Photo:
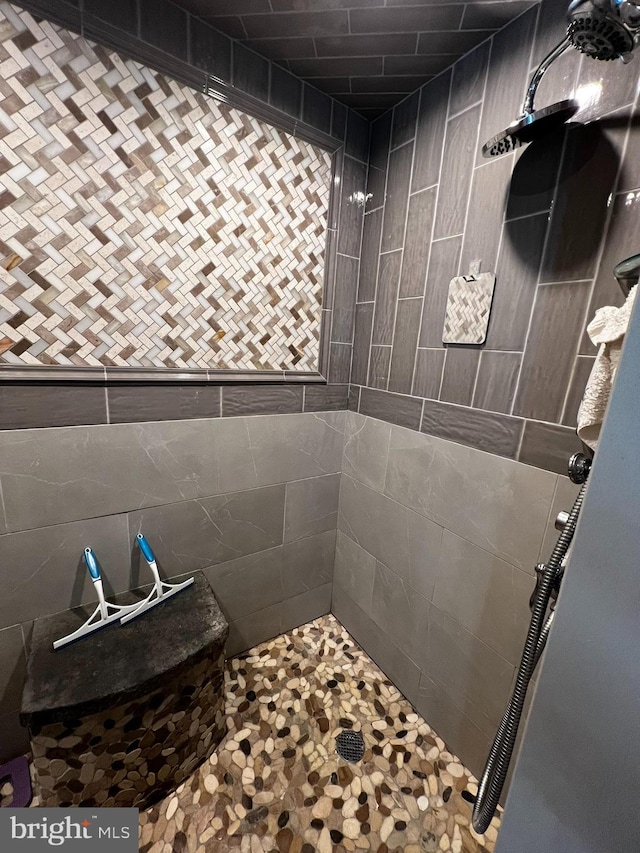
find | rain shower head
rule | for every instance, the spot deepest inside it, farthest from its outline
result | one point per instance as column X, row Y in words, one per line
column 601, row 29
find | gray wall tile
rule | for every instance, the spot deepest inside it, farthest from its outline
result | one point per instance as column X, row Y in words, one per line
column 285, row 92
column 250, row 72
column 428, row 372
column 354, row 571
column 316, row 108
column 37, row 405
column 406, row 19
column 15, row 739
column 496, row 381
column 311, row 506
column 405, row 342
column 362, row 342
column 395, row 408
column 210, row 50
column 380, row 141
column 459, row 375
column 13, row 668
column 397, row 197
column 131, row 404
column 344, row 302
column 432, row 119
column 260, row 399
column 195, row 534
column 548, row 446
column 443, row 266
column 487, row 203
column 386, row 297
column 165, row 26
column 370, row 256
column 483, row 430
column 42, row 571
column 366, row 446
column 325, row 398
column 563, row 499
column 401, row 613
column 404, row 120
column 417, row 243
column 354, row 180
column 357, row 138
column 495, row 503
column 339, row 363
column 469, row 77
column 457, row 167
column 379, row 365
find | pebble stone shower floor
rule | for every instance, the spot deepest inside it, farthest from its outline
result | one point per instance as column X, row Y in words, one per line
column 277, row 784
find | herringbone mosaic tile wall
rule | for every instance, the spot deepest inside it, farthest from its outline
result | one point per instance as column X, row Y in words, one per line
column 142, row 224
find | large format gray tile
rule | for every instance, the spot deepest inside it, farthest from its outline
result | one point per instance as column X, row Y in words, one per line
column 461, row 735
column 476, row 678
column 131, row 404
column 42, row 571
column 386, row 297
column 13, row 667
column 459, row 375
column 404, row 541
column 488, row 431
column 428, row 373
column 194, row 534
column 496, row 381
column 395, row 210
column 57, row 475
column 556, row 327
column 260, row 451
column 498, row 504
column 394, row 408
column 457, row 167
column 250, row 72
column 210, row 50
column 443, row 266
column 366, row 446
column 57, row 404
column 165, row 26
column 354, row 571
column 15, row 738
column 252, row 583
column 391, row 658
column 362, row 343
column 405, row 342
column 417, row 243
column 406, row 19
column 311, row 506
column 486, row 595
column 260, row 400
column 401, row 613
column 432, row 118
column 370, row 255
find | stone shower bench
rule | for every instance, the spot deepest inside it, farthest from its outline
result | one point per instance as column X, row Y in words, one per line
column 125, row 715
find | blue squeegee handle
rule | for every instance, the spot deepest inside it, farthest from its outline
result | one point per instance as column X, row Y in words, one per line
column 145, row 548
column 92, row 564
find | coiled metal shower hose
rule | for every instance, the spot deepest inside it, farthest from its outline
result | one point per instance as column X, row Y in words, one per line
column 497, row 766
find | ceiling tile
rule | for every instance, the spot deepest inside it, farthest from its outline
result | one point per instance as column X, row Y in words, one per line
column 415, row 65
column 293, row 48
column 336, row 85
column 493, row 16
column 451, row 42
column 320, row 5
column 370, row 45
column 386, row 84
column 406, row 19
column 336, row 67
column 296, row 24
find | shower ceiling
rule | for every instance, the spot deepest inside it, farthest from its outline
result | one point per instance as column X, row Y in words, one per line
column 366, row 53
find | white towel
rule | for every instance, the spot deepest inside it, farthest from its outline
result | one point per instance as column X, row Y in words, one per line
column 606, row 330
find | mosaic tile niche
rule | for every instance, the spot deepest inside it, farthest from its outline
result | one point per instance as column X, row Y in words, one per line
column 145, row 225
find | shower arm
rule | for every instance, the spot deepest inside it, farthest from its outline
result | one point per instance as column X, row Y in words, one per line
column 556, row 53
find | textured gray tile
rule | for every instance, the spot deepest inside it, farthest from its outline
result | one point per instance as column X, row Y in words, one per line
column 405, row 342
column 405, row 115
column 339, row 363
column 386, row 297
column 250, row 72
column 459, row 375
column 404, row 541
column 354, row 180
column 338, row 120
column 408, row 19
column 15, row 738
column 325, row 398
column 357, row 138
column 400, row 83
column 210, row 50
column 344, row 300
column 517, row 276
column 366, row 45
column 496, row 382
column 556, row 328
column 165, row 26
column 498, row 504
column 194, row 534
column 380, row 141
column 387, row 655
column 260, row 400
column 370, row 256
column 428, row 373
column 13, row 668
column 122, row 13
column 397, row 197
column 469, row 76
column 443, row 266
column 254, row 582
column 58, row 475
column 432, row 119
column 264, row 450
column 316, row 108
column 131, row 404
column 42, row 571
column 394, row 408
column 401, row 613
column 296, row 24
column 548, row 446
column 581, row 372
column 58, row 404
column 285, row 92
column 417, row 243
column 379, row 365
column 354, row 571
column 457, row 166
column 311, row 506
column 486, row 595
column 461, row 735
column 354, row 398
column 362, row 342
column 476, row 678
column 376, row 181
column 366, row 446
column 494, row 433
column 489, row 193
column 563, row 499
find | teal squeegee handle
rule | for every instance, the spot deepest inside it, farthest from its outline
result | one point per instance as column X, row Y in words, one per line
column 92, row 564
column 147, row 553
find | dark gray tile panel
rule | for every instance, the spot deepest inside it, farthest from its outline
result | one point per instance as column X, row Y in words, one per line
column 362, row 343
column 497, row 379
column 489, row 193
column 386, row 297
column 404, row 120
column 379, row 367
column 459, row 376
column 417, row 242
column 370, row 255
column 210, row 50
column 354, row 181
column 339, row 363
column 460, row 143
column 325, row 398
column 443, row 266
column 132, row 404
column 397, row 197
column 285, row 91
column 410, row 19
column 494, row 433
column 316, row 108
column 122, row 13
column 344, row 301
column 428, row 373
column 394, row 408
column 165, row 26
column 311, row 506
column 549, row 446
column 250, row 72
column 59, row 404
column 260, row 400
column 13, row 667
column 469, row 77
column 405, row 342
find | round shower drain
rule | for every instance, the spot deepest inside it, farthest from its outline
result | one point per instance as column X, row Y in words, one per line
column 350, row 745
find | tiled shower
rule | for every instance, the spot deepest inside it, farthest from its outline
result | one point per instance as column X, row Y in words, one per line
column 376, row 521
